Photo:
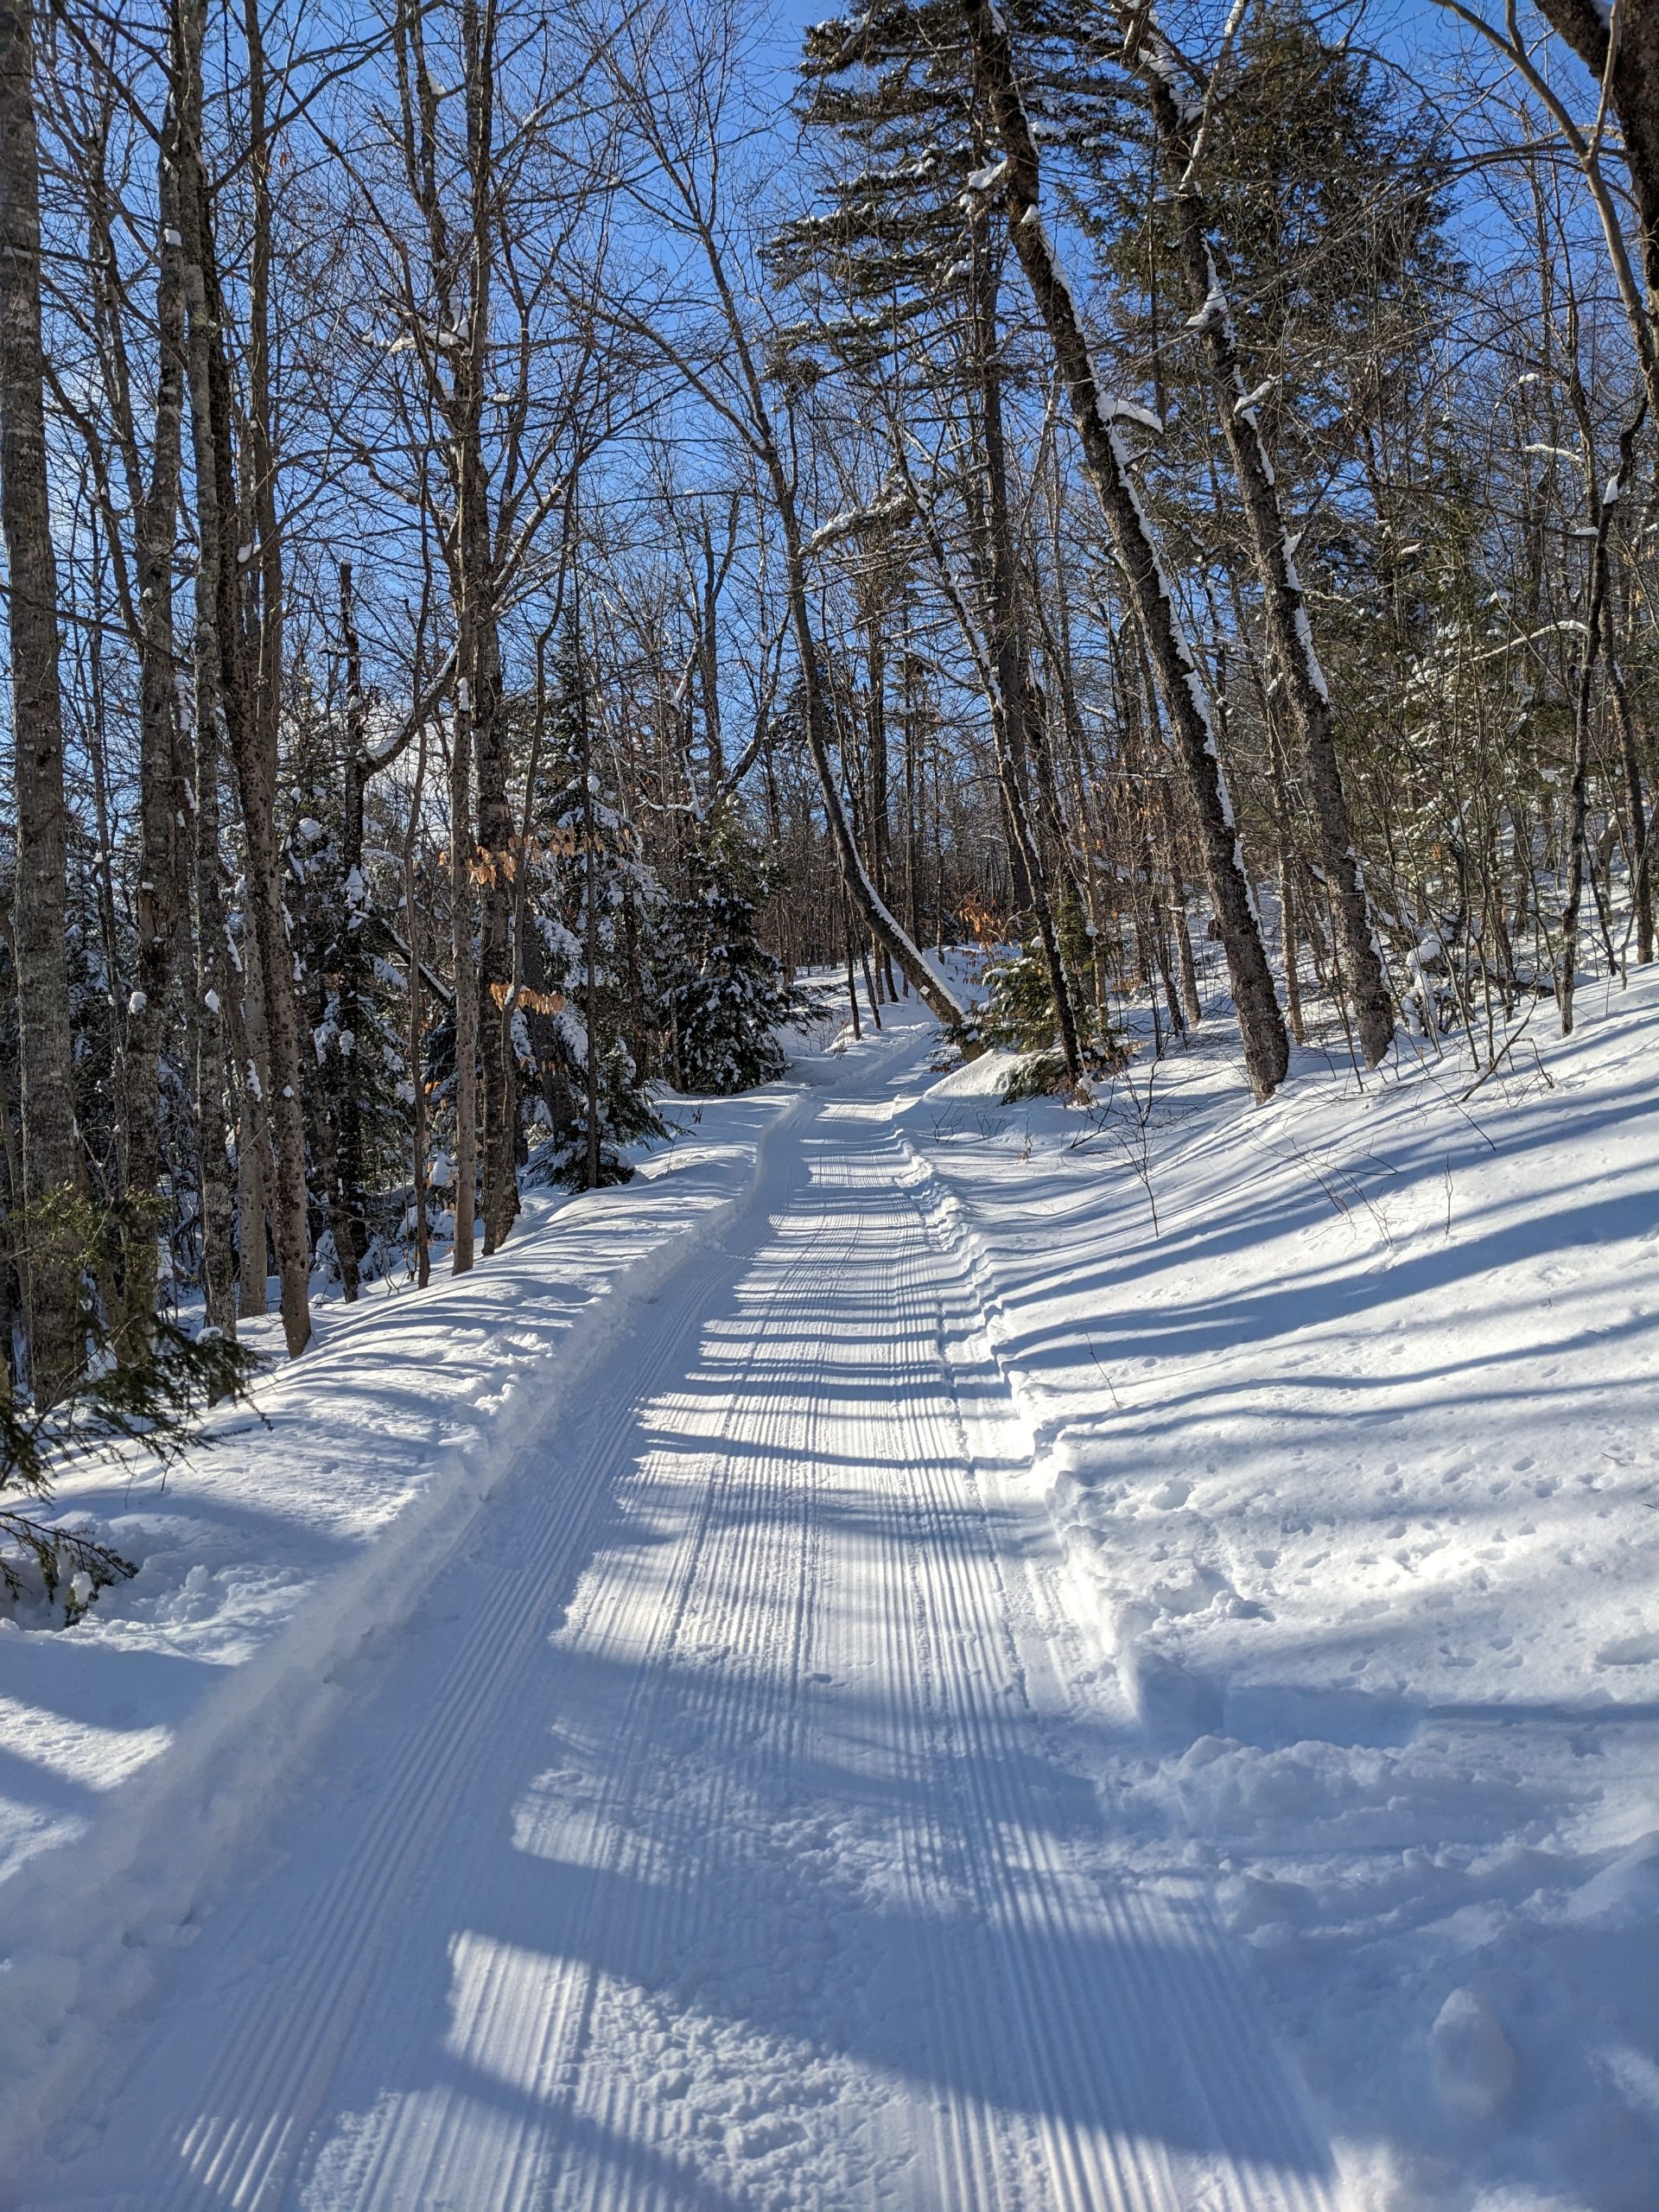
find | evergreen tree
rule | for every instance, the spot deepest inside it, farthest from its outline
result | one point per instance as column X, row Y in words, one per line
column 887, row 267
column 145, row 1382
column 351, row 994
column 726, row 996
column 903, row 274
column 588, row 891
column 1017, row 1016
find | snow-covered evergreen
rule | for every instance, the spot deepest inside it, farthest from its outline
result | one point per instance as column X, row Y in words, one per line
column 726, row 999
column 352, row 985
column 593, row 905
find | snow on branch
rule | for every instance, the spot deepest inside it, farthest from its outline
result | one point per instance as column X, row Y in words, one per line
column 891, row 508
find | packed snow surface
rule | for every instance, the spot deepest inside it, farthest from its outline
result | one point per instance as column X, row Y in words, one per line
column 924, row 1654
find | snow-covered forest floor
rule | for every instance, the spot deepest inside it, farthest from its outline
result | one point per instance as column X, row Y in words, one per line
column 925, row 1652
column 1348, row 1412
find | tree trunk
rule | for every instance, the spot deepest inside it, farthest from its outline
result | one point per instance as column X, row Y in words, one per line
column 866, row 899
column 253, row 714
column 1284, row 603
column 1011, row 694
column 475, row 586
column 495, row 842
column 416, row 1030
column 589, row 921
column 852, row 977
column 867, row 902
column 39, row 920
column 1190, row 999
column 252, row 1242
column 351, row 1236
column 1606, row 499
column 915, row 788
column 1638, row 829
column 1266, row 1050
column 160, row 888
column 1584, row 695
column 878, row 772
column 1632, row 86
column 465, row 970
column 209, row 1011
column 223, row 662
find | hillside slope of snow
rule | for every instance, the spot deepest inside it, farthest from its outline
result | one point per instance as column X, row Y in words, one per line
column 1348, row 1412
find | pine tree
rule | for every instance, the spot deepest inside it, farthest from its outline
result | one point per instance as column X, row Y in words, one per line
column 904, row 277
column 726, row 997
column 145, row 1383
column 1291, row 263
column 1017, row 1016
column 589, row 888
column 351, row 992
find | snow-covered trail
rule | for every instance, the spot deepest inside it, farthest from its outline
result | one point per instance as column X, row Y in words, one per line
column 718, row 1833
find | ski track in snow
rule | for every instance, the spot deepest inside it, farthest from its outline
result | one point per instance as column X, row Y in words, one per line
column 718, row 1833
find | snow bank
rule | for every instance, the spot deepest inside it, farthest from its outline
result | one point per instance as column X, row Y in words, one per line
column 137, row 1748
column 987, row 1076
column 1347, row 1410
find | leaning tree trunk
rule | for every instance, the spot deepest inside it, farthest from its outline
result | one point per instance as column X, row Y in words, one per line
column 1358, row 961
column 867, row 902
column 1267, row 1051
column 39, row 918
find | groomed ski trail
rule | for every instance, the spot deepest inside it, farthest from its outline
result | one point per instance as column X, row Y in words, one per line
column 718, row 1833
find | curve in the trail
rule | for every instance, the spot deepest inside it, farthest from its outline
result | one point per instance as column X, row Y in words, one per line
column 718, row 1834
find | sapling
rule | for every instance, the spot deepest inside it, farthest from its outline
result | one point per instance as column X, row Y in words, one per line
column 144, row 1384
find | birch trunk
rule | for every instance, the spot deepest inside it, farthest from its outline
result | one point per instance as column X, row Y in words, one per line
column 352, row 1235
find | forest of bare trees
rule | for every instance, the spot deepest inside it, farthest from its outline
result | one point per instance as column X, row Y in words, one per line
column 527, row 527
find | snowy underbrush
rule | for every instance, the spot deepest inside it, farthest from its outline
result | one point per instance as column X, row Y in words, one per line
column 1347, row 1408
column 138, row 1746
